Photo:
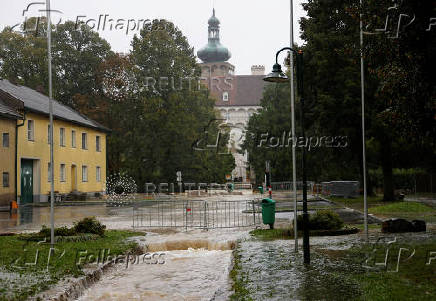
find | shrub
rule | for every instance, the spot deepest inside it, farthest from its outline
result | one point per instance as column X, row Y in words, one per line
column 322, row 220
column 61, row 231
column 89, row 225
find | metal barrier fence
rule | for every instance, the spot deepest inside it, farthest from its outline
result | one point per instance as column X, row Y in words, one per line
column 287, row 186
column 242, row 186
column 196, row 214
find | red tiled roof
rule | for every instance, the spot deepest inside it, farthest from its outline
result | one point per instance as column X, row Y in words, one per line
column 244, row 90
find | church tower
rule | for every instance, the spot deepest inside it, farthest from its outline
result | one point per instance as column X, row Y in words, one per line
column 214, row 55
column 237, row 97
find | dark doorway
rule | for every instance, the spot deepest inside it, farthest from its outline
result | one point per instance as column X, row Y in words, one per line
column 26, row 182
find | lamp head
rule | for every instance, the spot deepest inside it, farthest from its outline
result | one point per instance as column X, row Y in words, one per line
column 277, row 75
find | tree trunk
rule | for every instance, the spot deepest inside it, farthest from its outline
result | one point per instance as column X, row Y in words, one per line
column 388, row 181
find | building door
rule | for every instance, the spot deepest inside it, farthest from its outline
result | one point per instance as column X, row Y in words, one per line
column 73, row 178
column 26, row 181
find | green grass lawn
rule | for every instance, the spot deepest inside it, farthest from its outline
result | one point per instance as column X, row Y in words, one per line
column 362, row 226
column 357, row 203
column 271, row 234
column 401, row 207
column 26, row 269
column 404, row 209
column 413, row 280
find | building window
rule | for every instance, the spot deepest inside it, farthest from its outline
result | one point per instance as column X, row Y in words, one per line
column 62, row 173
column 5, row 139
column 84, row 141
column 5, row 179
column 30, row 130
column 62, row 136
column 84, row 173
column 48, row 134
column 98, row 174
column 49, row 172
column 97, row 144
column 73, row 138
column 225, row 96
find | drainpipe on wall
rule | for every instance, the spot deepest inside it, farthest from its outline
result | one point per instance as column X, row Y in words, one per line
column 16, row 155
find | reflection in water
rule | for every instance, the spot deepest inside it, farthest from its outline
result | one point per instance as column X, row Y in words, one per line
column 32, row 218
column 26, row 215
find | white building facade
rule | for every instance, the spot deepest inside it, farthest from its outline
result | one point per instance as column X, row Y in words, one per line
column 237, row 96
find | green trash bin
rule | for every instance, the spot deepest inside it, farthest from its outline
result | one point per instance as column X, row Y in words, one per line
column 260, row 189
column 269, row 212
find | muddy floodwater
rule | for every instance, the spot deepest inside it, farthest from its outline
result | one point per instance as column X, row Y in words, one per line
column 194, row 264
column 181, row 275
column 273, row 270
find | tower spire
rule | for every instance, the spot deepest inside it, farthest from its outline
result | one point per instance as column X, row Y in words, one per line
column 214, row 51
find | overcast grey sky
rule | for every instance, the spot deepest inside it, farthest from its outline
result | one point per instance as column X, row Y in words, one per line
column 245, row 24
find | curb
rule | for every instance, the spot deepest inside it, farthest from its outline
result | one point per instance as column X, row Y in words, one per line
column 75, row 289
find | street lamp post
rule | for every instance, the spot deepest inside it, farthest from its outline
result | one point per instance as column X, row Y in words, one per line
column 277, row 76
column 50, row 96
column 362, row 79
column 294, row 163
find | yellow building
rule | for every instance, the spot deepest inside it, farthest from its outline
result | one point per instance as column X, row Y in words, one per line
column 79, row 148
column 8, row 123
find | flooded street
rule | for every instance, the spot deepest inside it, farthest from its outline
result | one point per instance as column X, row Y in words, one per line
column 273, row 271
column 195, row 264
column 185, row 275
column 191, row 265
column 271, row 268
column 31, row 218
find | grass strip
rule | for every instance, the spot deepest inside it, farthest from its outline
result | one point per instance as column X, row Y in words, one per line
column 29, row 267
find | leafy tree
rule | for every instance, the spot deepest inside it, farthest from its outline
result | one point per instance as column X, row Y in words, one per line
column 399, row 94
column 175, row 111
column 154, row 126
column 332, row 35
column 23, row 58
column 77, row 55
